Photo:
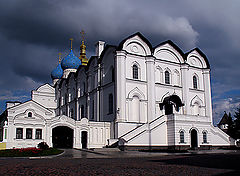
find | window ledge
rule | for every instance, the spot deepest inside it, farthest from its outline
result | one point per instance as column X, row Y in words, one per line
column 182, row 143
column 197, row 90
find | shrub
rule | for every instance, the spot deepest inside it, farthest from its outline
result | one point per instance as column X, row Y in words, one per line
column 43, row 145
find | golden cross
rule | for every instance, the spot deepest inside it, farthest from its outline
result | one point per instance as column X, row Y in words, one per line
column 71, row 39
column 59, row 57
column 82, row 34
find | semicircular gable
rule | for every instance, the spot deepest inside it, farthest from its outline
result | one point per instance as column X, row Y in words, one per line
column 168, row 51
column 136, row 44
column 196, row 58
column 24, row 115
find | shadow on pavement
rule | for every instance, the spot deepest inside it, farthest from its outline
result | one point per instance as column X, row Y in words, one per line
column 218, row 161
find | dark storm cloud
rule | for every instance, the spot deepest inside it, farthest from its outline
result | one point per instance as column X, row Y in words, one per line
column 33, row 32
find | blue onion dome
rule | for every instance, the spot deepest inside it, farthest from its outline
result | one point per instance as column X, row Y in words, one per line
column 57, row 73
column 70, row 61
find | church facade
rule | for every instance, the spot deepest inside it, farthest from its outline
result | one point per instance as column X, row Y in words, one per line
column 131, row 95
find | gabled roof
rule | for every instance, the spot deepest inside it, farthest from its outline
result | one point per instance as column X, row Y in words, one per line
column 90, row 61
column 105, row 50
column 31, row 101
column 225, row 119
column 46, row 85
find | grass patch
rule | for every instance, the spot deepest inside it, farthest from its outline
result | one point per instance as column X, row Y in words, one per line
column 29, row 152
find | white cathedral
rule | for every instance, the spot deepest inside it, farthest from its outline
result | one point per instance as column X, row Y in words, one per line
column 132, row 95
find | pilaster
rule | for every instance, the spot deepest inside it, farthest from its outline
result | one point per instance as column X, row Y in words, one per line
column 207, row 93
column 185, row 89
column 150, row 62
column 121, row 86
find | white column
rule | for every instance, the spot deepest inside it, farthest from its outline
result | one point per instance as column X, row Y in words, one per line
column 11, row 136
column 185, row 89
column 48, row 134
column 98, row 92
column 207, row 93
column 150, row 88
column 77, row 110
column 121, row 86
column 5, row 131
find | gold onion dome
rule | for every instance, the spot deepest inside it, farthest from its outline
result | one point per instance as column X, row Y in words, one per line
column 82, row 56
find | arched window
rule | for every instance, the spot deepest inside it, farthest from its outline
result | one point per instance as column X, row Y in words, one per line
column 181, row 136
column 167, row 77
column 204, row 137
column 82, row 111
column 176, row 78
column 110, row 104
column 135, row 71
column 29, row 114
column 195, row 85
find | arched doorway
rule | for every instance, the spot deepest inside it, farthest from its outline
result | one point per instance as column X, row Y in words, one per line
column 84, row 139
column 194, row 139
column 62, row 137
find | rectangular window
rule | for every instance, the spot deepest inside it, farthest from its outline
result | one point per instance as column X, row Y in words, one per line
column 92, row 109
column 28, row 133
column 204, row 137
column 38, row 134
column 5, row 137
column 181, row 137
column 110, row 104
column 59, row 101
column 19, row 133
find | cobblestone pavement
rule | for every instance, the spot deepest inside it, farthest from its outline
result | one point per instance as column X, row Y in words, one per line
column 111, row 162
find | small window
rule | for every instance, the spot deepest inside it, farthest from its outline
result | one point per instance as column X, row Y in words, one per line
column 181, row 137
column 59, row 101
column 195, row 85
column 19, row 133
column 84, row 88
column 113, row 75
column 28, row 133
column 204, row 137
column 167, row 77
column 66, row 98
column 82, row 111
column 92, row 109
column 110, row 104
column 135, row 72
column 29, row 114
column 71, row 113
column 38, row 134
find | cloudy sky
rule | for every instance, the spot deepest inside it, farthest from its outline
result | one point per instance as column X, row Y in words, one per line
column 33, row 32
